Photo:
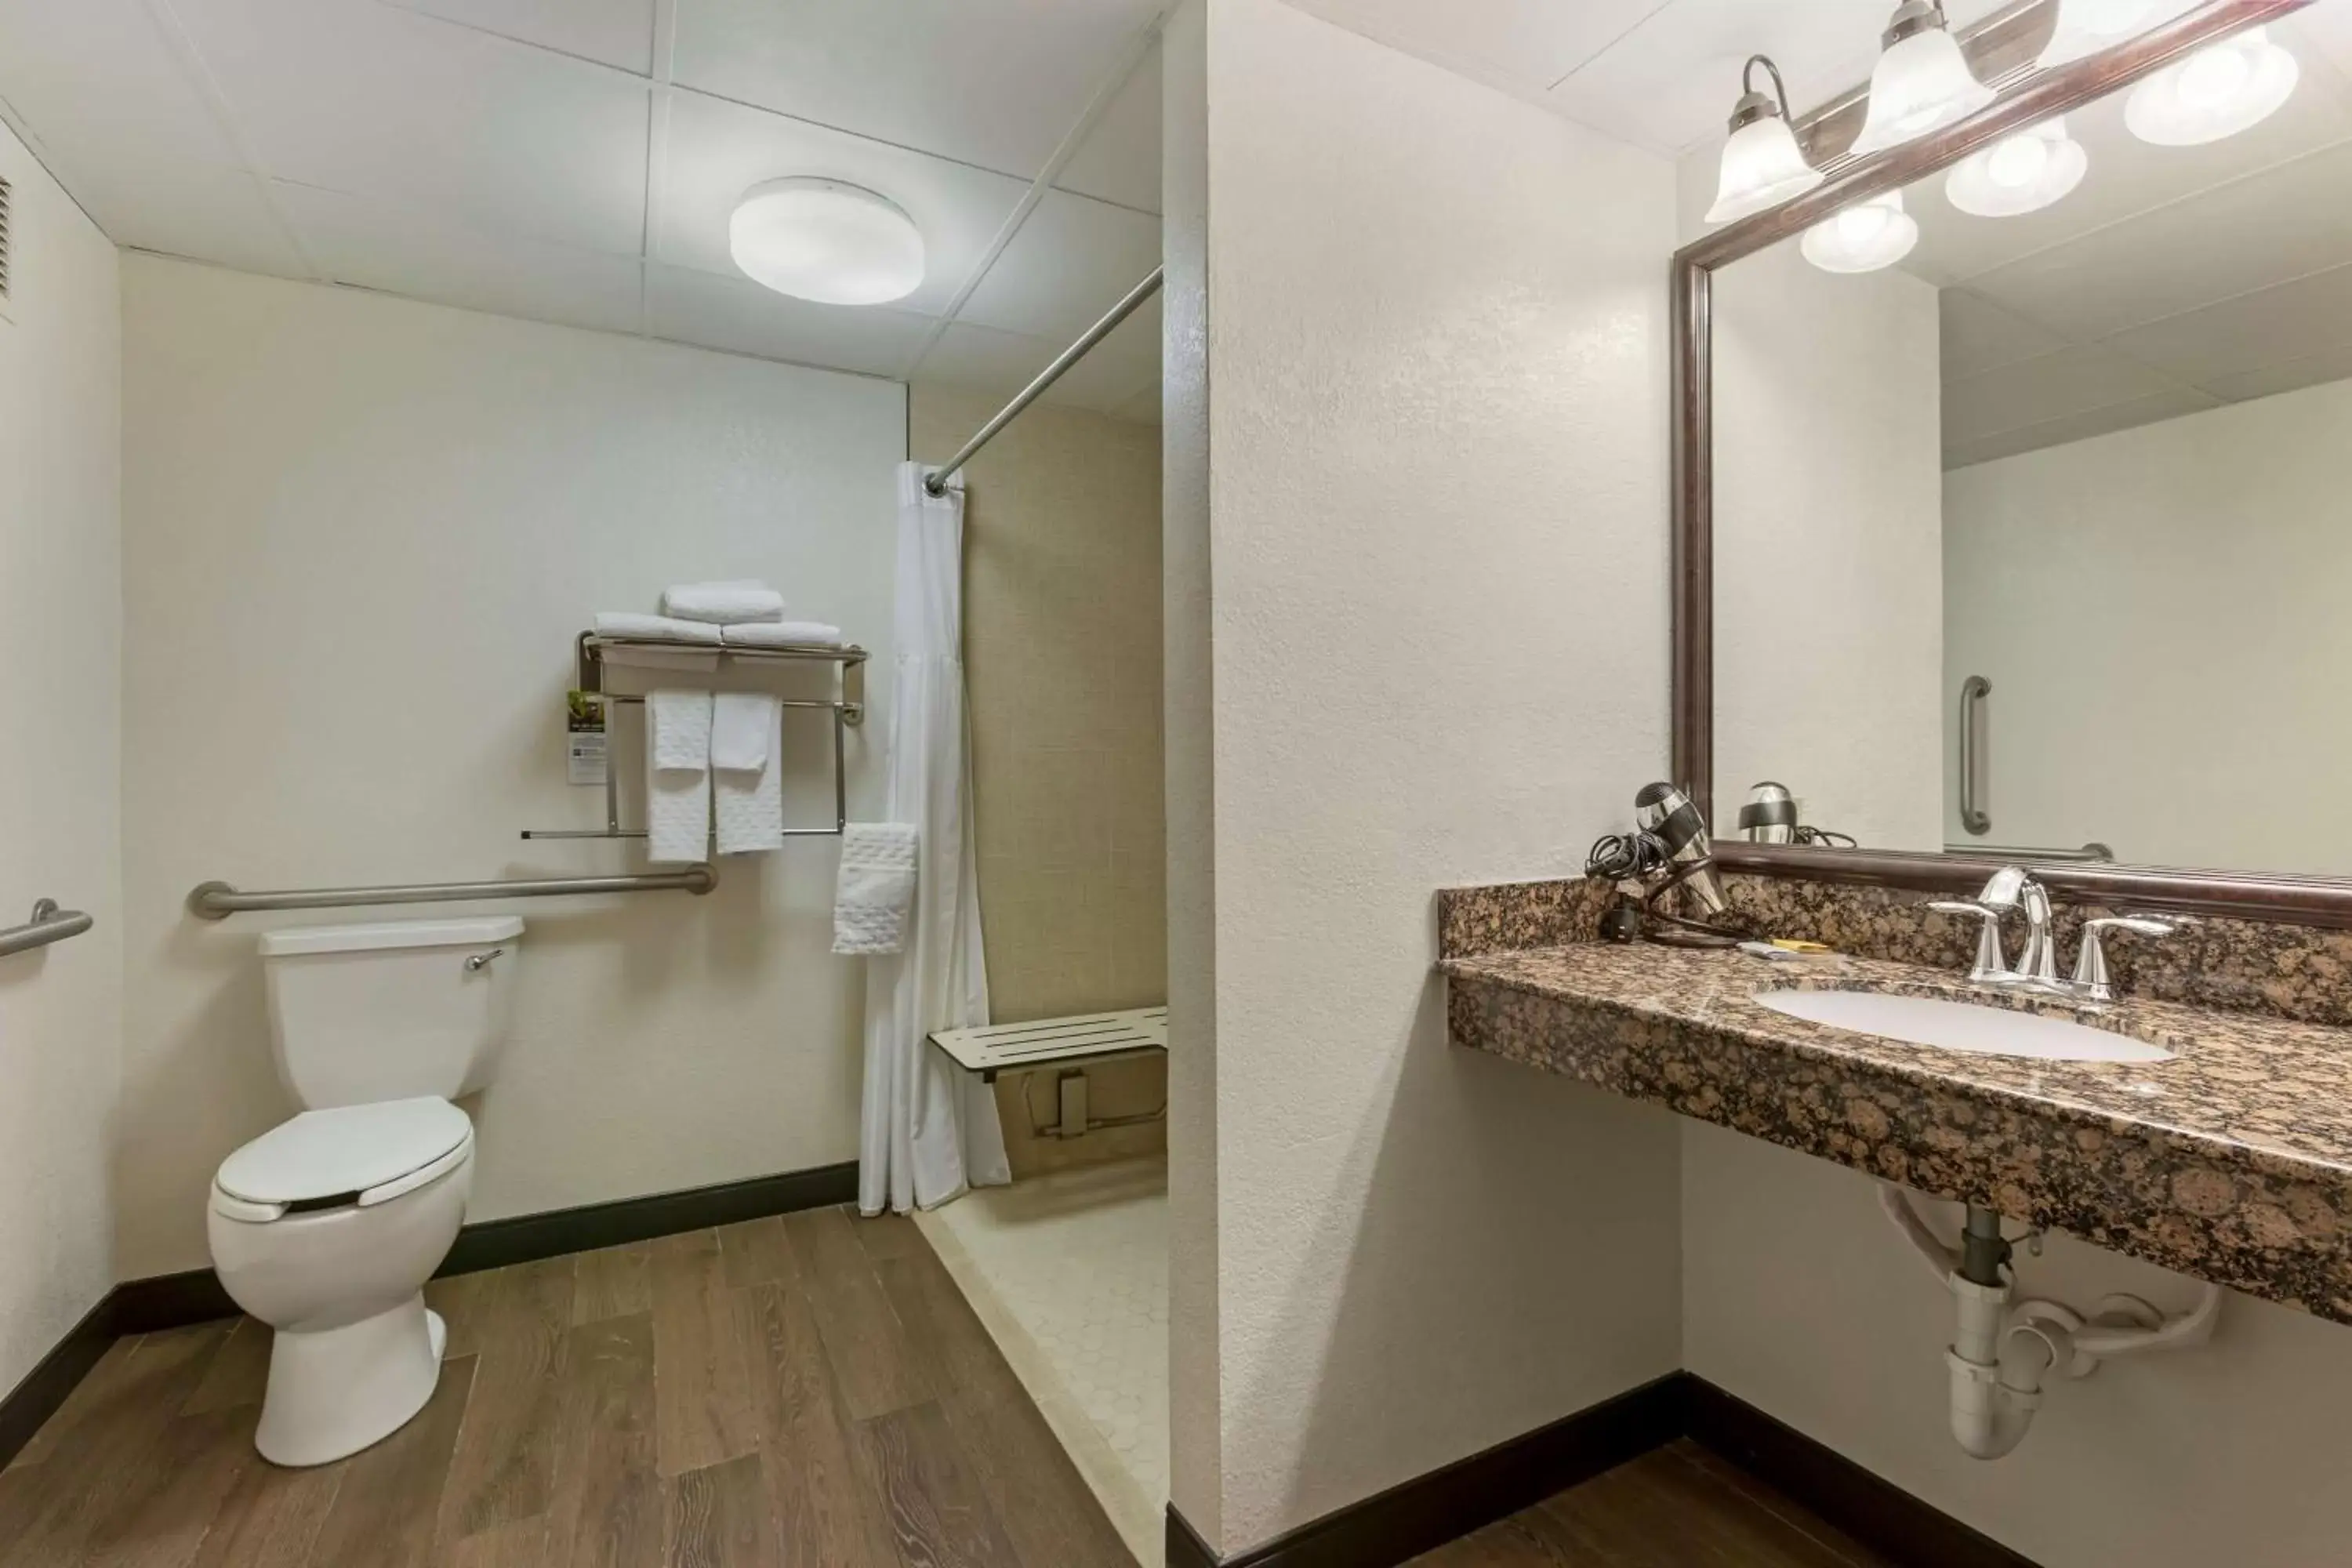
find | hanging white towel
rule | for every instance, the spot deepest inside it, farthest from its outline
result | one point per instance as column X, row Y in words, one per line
column 723, row 603
column 632, row 624
column 877, row 886
column 784, row 633
column 678, row 776
column 747, row 771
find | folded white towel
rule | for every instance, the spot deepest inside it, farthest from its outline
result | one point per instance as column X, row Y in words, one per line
column 875, row 888
column 782, row 634
column 678, row 776
column 747, row 779
column 723, row 603
column 630, row 623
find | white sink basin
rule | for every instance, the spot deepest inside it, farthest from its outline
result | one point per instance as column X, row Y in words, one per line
column 1961, row 1027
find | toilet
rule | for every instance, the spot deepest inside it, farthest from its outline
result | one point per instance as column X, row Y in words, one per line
column 327, row 1226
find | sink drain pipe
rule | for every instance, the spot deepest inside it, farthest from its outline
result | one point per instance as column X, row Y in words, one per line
column 2001, row 1355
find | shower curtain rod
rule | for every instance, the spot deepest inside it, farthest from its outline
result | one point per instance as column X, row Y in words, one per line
column 938, row 483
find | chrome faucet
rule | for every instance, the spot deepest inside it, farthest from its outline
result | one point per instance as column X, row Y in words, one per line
column 2037, row 968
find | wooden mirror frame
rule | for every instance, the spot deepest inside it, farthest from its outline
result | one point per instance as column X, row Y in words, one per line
column 2299, row 900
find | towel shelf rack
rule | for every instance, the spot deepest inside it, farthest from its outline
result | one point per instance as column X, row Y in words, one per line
column 49, row 924
column 588, row 658
column 218, row 900
column 613, row 828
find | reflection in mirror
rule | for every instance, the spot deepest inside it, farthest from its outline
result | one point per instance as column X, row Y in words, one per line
column 2033, row 488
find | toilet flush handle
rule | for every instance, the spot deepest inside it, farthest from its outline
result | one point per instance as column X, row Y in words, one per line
column 481, row 961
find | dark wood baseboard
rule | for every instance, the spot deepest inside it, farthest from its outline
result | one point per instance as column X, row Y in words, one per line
column 1425, row 1512
column 1878, row 1513
column 1429, row 1510
column 174, row 1301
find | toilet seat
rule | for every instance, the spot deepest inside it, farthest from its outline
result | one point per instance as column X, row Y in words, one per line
column 359, row 1154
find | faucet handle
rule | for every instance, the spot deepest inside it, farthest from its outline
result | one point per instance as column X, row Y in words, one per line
column 2090, row 976
column 1993, row 964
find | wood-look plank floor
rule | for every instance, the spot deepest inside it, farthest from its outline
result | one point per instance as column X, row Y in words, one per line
column 809, row 1392
column 1680, row 1507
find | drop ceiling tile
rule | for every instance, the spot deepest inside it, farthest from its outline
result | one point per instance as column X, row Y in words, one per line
column 423, row 255
column 2081, row 426
column 737, row 315
column 1119, row 160
column 1073, row 260
column 2234, row 336
column 2072, row 382
column 719, row 150
column 354, row 95
column 993, row 82
column 1978, row 336
column 2281, row 224
column 221, row 215
column 1123, row 365
column 1507, row 43
column 617, row 32
column 2128, row 177
column 97, row 83
column 2285, row 375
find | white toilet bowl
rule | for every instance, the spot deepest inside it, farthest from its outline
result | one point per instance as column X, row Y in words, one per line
column 325, row 1228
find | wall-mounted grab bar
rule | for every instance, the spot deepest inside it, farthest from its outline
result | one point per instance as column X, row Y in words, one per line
column 1973, row 817
column 218, row 900
column 2090, row 852
column 49, row 924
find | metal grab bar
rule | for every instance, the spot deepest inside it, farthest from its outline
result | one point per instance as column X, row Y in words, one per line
column 1973, row 691
column 2093, row 851
column 49, row 924
column 218, row 900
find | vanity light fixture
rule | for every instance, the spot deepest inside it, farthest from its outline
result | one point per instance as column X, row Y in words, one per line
column 2086, row 26
column 1762, row 165
column 2219, row 90
column 825, row 240
column 1862, row 237
column 1921, row 83
column 2021, row 174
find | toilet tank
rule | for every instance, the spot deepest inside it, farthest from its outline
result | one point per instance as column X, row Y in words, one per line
column 384, row 1011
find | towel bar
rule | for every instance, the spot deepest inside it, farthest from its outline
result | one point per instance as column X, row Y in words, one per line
column 218, row 900
column 49, row 924
column 613, row 828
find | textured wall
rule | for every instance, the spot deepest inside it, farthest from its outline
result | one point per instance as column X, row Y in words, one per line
column 1437, row 419
column 359, row 534
column 1062, row 656
column 60, row 768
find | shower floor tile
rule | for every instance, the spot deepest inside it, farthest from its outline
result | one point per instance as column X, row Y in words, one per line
column 1069, row 1273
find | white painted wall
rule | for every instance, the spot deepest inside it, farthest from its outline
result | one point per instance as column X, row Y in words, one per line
column 1436, row 403
column 60, row 770
column 359, row 534
column 2161, row 612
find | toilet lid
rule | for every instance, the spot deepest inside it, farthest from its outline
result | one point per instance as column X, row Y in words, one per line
column 347, row 1149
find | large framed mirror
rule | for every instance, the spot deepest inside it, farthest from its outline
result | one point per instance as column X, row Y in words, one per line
column 2013, row 480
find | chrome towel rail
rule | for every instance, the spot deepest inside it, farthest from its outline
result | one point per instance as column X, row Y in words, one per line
column 49, row 924
column 218, row 900
column 1973, row 815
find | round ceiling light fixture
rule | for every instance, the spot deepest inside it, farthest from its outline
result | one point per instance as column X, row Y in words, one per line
column 1921, row 83
column 2219, row 90
column 1862, row 237
column 826, row 240
column 1762, row 165
column 2020, row 173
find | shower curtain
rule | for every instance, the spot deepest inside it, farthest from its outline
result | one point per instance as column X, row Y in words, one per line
column 930, row 1128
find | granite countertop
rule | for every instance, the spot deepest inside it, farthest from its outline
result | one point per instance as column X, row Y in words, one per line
column 2231, row 1162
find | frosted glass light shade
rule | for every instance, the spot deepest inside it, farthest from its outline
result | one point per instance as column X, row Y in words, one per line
column 2086, row 26
column 2219, row 90
column 1921, row 83
column 1863, row 238
column 2020, row 174
column 823, row 240
column 1762, row 166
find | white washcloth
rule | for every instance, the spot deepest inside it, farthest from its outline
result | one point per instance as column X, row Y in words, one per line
column 747, row 774
column 875, row 888
column 678, row 776
column 782, row 634
column 723, row 603
column 630, row 623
